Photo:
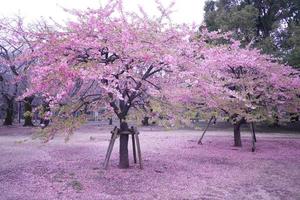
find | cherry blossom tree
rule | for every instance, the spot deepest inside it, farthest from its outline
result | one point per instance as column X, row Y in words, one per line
column 106, row 58
column 15, row 46
column 8, row 95
column 13, row 41
column 239, row 84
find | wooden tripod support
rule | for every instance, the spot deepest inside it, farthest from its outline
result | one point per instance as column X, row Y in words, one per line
column 213, row 119
column 135, row 145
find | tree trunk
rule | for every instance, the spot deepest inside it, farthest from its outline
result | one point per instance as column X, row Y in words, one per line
column 237, row 133
column 124, row 160
column 28, row 111
column 110, row 121
column 9, row 113
column 45, row 122
column 145, row 121
column 276, row 121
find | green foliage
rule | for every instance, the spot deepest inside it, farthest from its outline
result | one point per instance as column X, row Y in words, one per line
column 272, row 26
column 239, row 20
column 65, row 122
column 170, row 115
column 268, row 46
column 292, row 45
column 28, row 114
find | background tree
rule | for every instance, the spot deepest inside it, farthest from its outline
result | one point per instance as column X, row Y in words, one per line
column 270, row 25
column 238, row 84
column 290, row 44
column 8, row 96
column 13, row 43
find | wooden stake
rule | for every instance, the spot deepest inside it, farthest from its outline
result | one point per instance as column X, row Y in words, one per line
column 136, row 135
column 107, row 152
column 133, row 147
column 209, row 122
column 110, row 146
column 254, row 131
column 253, row 136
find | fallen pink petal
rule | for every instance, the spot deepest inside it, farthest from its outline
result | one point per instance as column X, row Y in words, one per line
column 175, row 166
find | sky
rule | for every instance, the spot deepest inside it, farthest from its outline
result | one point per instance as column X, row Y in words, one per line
column 186, row 11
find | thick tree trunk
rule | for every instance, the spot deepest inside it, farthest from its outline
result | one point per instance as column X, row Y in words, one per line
column 27, row 110
column 237, row 135
column 124, row 160
column 9, row 113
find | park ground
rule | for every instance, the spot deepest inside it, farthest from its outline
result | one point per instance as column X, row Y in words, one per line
column 175, row 167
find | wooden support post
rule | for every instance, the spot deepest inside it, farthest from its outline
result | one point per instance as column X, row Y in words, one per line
column 209, row 122
column 133, row 147
column 108, row 149
column 254, row 131
column 110, row 142
column 110, row 146
column 136, row 135
column 253, row 136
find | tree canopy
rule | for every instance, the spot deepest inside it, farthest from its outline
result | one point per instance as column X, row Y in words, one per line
column 270, row 25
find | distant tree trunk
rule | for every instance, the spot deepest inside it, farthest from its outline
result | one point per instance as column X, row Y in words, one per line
column 145, row 121
column 276, row 121
column 110, row 121
column 19, row 112
column 9, row 112
column 27, row 110
column 45, row 122
column 237, row 133
column 124, row 160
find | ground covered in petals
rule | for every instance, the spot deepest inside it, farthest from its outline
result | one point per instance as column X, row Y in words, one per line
column 175, row 167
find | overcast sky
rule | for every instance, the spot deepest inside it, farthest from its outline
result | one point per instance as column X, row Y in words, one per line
column 187, row 11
